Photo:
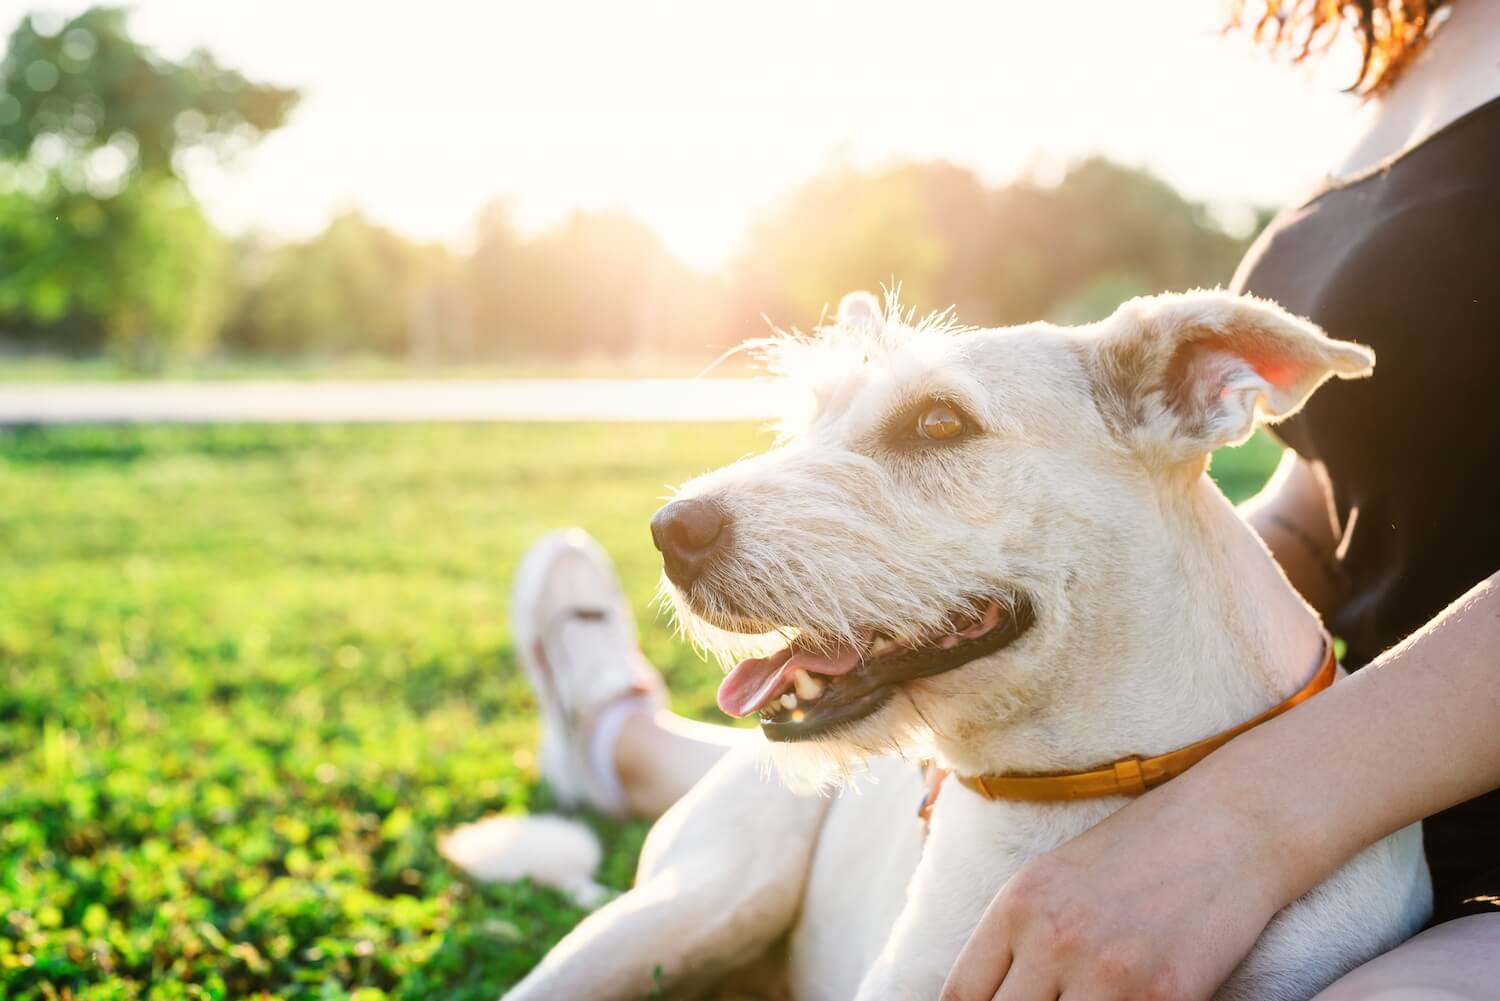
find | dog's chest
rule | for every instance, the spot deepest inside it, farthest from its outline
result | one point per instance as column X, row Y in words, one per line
column 876, row 865
column 867, row 850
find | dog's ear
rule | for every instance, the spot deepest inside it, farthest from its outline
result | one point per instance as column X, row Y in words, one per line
column 859, row 309
column 1182, row 375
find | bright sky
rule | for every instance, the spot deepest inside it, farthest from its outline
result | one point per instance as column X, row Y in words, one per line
column 692, row 115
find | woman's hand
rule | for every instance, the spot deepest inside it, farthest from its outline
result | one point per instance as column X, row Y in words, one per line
column 1159, row 901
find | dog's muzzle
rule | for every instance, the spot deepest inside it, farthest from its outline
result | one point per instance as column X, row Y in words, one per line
column 801, row 694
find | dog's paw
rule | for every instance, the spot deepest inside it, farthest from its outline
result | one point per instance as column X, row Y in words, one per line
column 546, row 848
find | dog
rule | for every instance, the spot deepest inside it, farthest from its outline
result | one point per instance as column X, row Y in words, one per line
column 995, row 548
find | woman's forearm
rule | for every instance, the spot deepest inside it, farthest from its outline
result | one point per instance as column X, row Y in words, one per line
column 1410, row 735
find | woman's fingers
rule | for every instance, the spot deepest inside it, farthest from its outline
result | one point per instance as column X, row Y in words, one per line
column 1025, row 983
column 984, row 960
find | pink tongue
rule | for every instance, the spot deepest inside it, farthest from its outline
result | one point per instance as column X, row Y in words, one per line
column 755, row 682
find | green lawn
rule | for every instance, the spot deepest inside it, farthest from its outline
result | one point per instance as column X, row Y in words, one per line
column 247, row 674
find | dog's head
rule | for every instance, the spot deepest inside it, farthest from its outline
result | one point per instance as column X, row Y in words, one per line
column 919, row 546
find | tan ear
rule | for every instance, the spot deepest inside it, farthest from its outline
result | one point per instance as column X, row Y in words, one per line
column 1184, row 374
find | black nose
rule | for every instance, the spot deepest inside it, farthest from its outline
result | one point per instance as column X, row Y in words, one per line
column 689, row 533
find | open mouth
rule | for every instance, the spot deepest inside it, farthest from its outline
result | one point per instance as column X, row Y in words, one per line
column 801, row 692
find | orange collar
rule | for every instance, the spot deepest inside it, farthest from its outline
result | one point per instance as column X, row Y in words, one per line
column 1133, row 776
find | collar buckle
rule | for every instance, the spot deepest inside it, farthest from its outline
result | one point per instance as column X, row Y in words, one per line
column 1129, row 777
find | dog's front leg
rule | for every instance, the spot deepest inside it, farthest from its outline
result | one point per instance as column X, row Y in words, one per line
column 942, row 908
column 721, row 877
column 973, row 848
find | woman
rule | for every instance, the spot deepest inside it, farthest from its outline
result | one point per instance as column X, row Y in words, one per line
column 1380, row 514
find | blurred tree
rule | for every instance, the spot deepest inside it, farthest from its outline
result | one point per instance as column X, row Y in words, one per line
column 492, row 282
column 100, row 241
column 846, row 230
column 1104, row 231
column 591, row 283
column 143, row 271
column 600, row 282
column 1099, row 297
column 1124, row 221
column 101, row 105
column 355, row 287
column 1022, row 252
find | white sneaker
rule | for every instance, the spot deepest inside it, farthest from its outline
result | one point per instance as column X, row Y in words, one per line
column 576, row 639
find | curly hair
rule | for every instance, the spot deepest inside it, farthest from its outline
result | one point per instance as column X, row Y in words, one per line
column 1390, row 32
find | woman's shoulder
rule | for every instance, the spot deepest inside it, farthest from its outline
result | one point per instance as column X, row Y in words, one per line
column 1378, row 255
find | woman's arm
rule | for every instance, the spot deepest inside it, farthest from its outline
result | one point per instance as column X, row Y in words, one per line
column 1294, row 515
column 1410, row 735
column 1165, row 897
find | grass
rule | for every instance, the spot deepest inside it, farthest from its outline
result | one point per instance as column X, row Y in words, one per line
column 248, row 674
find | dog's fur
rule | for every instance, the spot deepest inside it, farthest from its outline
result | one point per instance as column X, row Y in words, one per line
column 1160, row 619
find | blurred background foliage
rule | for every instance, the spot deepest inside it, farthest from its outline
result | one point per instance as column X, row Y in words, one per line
column 101, row 243
column 103, row 248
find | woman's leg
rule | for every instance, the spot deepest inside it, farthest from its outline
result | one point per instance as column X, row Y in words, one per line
column 1458, row 960
column 607, row 741
column 660, row 756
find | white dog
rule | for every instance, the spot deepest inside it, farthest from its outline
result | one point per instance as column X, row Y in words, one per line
column 998, row 548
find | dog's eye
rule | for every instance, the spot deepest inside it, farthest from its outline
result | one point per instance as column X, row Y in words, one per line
column 939, row 422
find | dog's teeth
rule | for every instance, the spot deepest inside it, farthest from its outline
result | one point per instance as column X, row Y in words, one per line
column 882, row 646
column 789, row 700
column 950, row 641
column 808, row 687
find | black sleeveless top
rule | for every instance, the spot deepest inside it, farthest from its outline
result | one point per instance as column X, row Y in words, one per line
column 1406, row 258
